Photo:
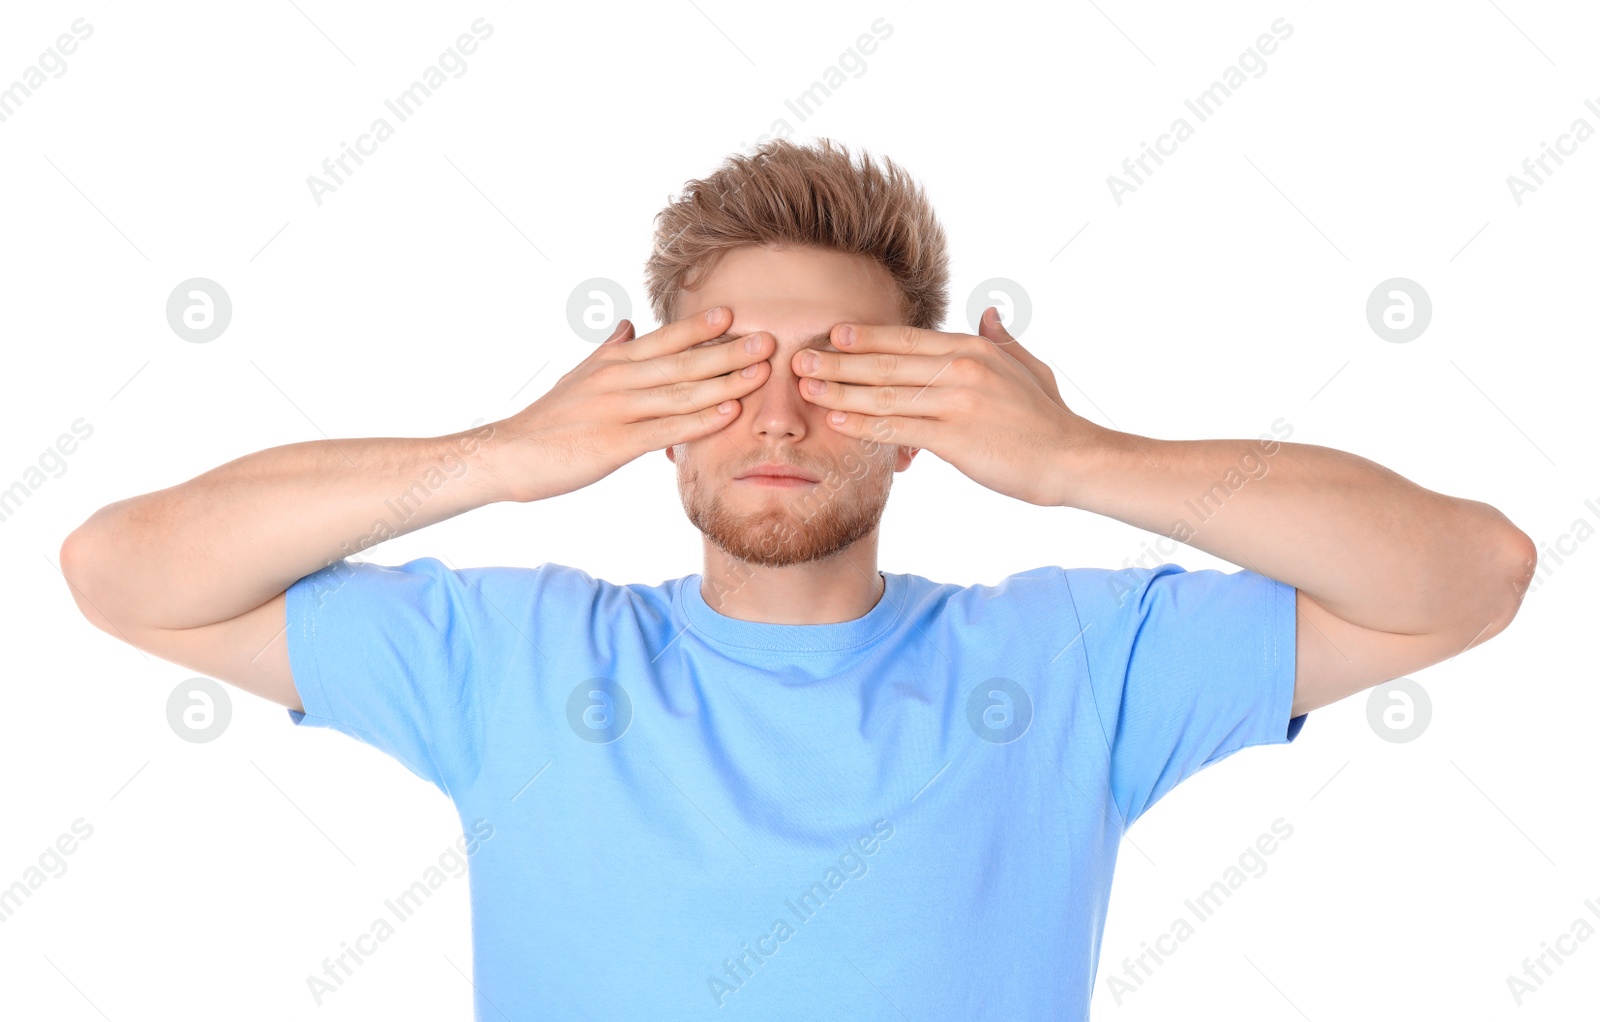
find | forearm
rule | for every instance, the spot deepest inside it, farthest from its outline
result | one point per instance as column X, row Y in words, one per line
column 232, row 538
column 1367, row 544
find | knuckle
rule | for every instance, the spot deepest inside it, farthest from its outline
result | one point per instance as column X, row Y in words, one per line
column 885, row 363
column 609, row 377
column 683, row 363
column 965, row 367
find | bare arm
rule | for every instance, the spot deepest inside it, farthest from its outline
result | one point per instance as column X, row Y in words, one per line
column 1391, row 577
column 196, row 573
column 229, row 540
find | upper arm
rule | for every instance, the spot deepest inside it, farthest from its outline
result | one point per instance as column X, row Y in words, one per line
column 250, row 651
column 1335, row 659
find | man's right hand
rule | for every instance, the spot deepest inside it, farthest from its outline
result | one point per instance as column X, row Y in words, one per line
column 630, row 397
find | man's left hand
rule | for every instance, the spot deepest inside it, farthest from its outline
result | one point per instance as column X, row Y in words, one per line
column 982, row 403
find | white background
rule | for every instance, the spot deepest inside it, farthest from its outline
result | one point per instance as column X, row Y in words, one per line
column 1226, row 292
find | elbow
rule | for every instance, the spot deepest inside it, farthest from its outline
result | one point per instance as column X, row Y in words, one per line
column 77, row 567
column 78, row 561
column 73, row 560
column 1522, row 563
column 1519, row 559
column 82, row 551
column 70, row 557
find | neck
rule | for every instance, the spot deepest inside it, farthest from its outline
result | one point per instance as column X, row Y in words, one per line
column 842, row 587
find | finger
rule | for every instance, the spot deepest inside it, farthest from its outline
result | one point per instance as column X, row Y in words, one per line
column 677, row 398
column 881, row 368
column 919, row 400
column 887, row 429
column 896, row 338
column 993, row 329
column 706, row 360
column 623, row 332
column 990, row 327
column 668, row 430
column 681, row 334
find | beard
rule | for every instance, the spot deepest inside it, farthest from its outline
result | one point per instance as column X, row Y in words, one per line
column 776, row 528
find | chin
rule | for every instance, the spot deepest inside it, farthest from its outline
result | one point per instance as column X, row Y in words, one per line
column 777, row 527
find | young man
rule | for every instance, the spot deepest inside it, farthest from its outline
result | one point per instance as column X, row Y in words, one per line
column 794, row 785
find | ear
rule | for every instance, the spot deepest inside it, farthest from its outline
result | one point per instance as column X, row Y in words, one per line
column 670, row 456
column 902, row 458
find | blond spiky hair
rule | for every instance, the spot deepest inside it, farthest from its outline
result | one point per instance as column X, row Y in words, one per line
column 784, row 193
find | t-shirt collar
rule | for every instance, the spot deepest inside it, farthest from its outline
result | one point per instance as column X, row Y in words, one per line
column 711, row 624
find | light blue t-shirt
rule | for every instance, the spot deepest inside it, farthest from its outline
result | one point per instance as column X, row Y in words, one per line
column 676, row 814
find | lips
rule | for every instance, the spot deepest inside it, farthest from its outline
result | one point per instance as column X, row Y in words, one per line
column 780, row 471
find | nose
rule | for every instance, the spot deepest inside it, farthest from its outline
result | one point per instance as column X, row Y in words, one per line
column 776, row 409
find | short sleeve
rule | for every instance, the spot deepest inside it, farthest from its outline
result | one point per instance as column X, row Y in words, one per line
column 389, row 655
column 1186, row 668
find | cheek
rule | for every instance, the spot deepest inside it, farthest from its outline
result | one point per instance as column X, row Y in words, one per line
column 852, row 465
column 688, row 458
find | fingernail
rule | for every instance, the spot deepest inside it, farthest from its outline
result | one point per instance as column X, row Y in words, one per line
column 752, row 344
column 714, row 315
